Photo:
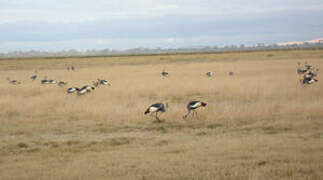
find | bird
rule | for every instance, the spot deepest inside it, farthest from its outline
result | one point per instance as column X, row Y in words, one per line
column 104, row 82
column 44, row 81
column 209, row 74
column 192, row 105
column 164, row 73
column 61, row 83
column 231, row 73
column 72, row 90
column 34, row 77
column 82, row 91
column 308, row 66
column 309, row 80
column 95, row 83
column 88, row 88
column 310, row 74
column 51, row 81
column 300, row 70
column 14, row 82
column 155, row 108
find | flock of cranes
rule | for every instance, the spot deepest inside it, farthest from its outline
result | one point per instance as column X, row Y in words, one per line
column 208, row 74
column 307, row 73
column 308, row 78
column 79, row 91
column 95, row 83
column 87, row 88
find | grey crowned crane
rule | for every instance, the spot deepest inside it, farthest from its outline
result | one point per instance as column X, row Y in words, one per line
column 300, row 70
column 104, row 82
column 82, row 91
column 34, row 77
column 14, row 82
column 88, row 88
column 164, row 73
column 52, row 81
column 155, row 108
column 309, row 77
column 309, row 81
column 312, row 73
column 61, row 83
column 192, row 106
column 209, row 74
column 72, row 90
column 44, row 81
column 308, row 66
column 96, row 83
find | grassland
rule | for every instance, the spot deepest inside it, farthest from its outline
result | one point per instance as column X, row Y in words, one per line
column 259, row 124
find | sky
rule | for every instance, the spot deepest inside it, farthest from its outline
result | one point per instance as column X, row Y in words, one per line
column 55, row 25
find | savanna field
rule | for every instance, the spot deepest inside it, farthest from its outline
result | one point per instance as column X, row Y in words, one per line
column 260, row 123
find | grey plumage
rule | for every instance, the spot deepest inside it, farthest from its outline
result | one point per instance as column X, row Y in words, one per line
column 209, row 74
column 308, row 74
column 61, row 83
column 164, row 73
column 51, row 81
column 87, row 88
column 309, row 80
column 104, row 82
column 155, row 108
column 72, row 90
column 14, row 82
column 34, row 77
column 101, row 82
column 82, row 91
column 192, row 106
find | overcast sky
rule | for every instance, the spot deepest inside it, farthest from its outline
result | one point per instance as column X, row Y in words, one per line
column 54, row 25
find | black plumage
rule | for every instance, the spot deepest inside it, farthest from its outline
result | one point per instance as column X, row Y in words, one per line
column 155, row 108
column 192, row 105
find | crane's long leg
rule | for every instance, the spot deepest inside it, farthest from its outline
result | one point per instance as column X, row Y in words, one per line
column 157, row 118
column 185, row 116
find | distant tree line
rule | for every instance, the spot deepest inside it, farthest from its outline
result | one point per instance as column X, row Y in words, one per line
column 147, row 51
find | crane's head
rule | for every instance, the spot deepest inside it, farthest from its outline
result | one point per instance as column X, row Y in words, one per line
column 203, row 104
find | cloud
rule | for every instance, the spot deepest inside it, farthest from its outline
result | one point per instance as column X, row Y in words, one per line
column 71, row 11
column 85, row 24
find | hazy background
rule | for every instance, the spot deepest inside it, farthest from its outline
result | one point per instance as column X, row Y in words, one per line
column 53, row 25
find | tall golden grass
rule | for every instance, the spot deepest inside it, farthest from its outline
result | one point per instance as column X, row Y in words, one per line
column 260, row 123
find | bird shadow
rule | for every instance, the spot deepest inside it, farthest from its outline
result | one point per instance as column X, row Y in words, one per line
column 159, row 121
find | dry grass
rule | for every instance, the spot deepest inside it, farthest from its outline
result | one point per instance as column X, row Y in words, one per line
column 259, row 124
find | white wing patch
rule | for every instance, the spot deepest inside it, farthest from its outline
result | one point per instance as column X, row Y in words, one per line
column 153, row 109
column 195, row 105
